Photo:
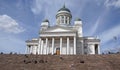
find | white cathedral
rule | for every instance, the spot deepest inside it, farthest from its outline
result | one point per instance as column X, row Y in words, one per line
column 62, row 38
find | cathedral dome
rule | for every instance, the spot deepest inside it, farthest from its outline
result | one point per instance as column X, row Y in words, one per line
column 64, row 9
column 63, row 16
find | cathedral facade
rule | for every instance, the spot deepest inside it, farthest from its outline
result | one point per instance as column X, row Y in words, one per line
column 62, row 38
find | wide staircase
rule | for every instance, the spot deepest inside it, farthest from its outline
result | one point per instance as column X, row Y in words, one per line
column 58, row 62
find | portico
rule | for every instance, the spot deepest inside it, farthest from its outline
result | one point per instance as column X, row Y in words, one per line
column 50, row 45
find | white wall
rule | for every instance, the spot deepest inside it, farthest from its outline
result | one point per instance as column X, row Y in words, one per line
column 91, row 49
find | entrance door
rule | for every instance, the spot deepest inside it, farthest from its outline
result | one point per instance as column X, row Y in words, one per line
column 57, row 51
column 96, row 48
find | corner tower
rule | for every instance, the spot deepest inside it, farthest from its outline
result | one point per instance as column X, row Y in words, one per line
column 78, row 27
column 63, row 16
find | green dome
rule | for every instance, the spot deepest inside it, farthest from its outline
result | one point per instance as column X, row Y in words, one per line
column 64, row 9
column 46, row 20
column 78, row 19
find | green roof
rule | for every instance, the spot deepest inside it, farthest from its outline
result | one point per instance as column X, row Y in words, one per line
column 46, row 20
column 64, row 9
column 78, row 19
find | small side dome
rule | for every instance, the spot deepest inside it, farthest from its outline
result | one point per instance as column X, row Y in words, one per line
column 78, row 22
column 45, row 23
column 64, row 9
column 78, row 19
column 46, row 20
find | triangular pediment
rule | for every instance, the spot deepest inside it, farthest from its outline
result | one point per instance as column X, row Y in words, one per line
column 59, row 29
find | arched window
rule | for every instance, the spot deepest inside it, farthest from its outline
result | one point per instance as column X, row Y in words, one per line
column 62, row 19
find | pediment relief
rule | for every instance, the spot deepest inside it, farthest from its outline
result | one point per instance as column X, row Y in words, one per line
column 59, row 30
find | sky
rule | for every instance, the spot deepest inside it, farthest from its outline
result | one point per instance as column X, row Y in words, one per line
column 20, row 21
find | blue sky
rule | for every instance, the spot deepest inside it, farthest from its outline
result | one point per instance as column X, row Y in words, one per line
column 20, row 21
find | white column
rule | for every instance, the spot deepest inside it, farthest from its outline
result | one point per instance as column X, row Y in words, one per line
column 26, row 51
column 68, row 20
column 74, row 45
column 53, row 45
column 98, row 49
column 64, row 20
column 60, row 45
column 41, row 46
column 60, row 19
column 68, row 45
column 93, row 48
column 82, row 47
column 46, row 46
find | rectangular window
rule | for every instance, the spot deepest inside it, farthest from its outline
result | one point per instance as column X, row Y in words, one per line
column 65, row 21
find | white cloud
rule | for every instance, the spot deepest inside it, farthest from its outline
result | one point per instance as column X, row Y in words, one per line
column 47, row 8
column 109, row 35
column 40, row 5
column 115, row 3
column 9, row 25
column 36, row 8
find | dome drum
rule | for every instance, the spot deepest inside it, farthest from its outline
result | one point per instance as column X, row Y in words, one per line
column 63, row 16
column 64, row 9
